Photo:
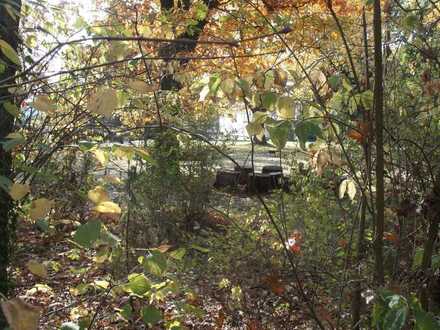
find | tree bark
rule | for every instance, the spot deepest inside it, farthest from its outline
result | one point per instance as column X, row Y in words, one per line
column 360, row 253
column 170, row 50
column 432, row 214
column 379, row 121
column 9, row 34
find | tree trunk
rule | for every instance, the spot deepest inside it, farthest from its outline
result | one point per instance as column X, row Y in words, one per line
column 169, row 51
column 360, row 253
column 8, row 33
column 378, row 112
column 432, row 214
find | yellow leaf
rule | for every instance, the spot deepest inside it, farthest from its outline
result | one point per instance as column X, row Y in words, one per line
column 107, row 207
column 286, row 107
column 259, row 79
column 98, row 195
column 112, row 179
column 102, row 284
column 21, row 315
column 228, row 86
column 78, row 312
column 9, row 52
column 14, row 136
column 280, row 77
column 100, row 156
column 39, row 208
column 141, row 152
column 38, row 289
column 320, row 161
column 44, row 104
column 318, row 78
column 103, row 102
column 141, row 86
column 254, row 129
column 18, row 191
column 37, row 269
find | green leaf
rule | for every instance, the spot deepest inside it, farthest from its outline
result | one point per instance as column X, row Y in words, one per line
column 245, row 87
column 126, row 312
column 378, row 314
column 417, row 260
column 109, row 238
column 423, row 319
column 307, row 130
column 426, row 321
column 334, row 82
column 201, row 11
column 410, row 22
column 178, row 254
column 155, row 263
column 43, row 225
column 86, row 146
column 214, row 84
column 14, row 139
column 367, row 99
column 5, row 183
column 199, row 248
column 395, row 318
column 88, row 233
column 138, row 284
column 279, row 133
column 9, row 52
column 11, row 108
column 347, row 85
column 269, row 100
column 14, row 13
column 151, row 315
column 435, row 261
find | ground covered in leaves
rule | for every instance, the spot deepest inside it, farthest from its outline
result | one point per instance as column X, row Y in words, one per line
column 73, row 284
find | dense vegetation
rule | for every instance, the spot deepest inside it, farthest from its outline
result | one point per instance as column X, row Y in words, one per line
column 115, row 212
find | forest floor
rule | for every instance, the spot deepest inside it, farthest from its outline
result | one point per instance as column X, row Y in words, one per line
column 76, row 287
column 77, row 284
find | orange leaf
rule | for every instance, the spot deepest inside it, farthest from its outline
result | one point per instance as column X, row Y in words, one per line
column 295, row 248
column 164, row 247
column 342, row 243
column 355, row 135
column 220, row 320
column 254, row 325
column 391, row 237
column 275, row 284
